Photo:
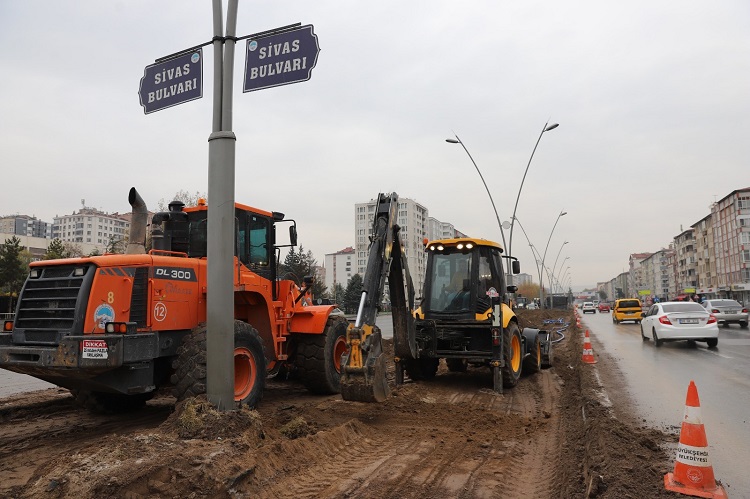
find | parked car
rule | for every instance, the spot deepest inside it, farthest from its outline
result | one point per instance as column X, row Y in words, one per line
column 603, row 307
column 627, row 309
column 588, row 307
column 679, row 320
column 727, row 312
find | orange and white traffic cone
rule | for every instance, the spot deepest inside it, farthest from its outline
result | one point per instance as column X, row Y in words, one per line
column 693, row 474
column 588, row 352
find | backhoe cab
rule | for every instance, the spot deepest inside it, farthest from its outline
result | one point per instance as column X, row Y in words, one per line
column 464, row 316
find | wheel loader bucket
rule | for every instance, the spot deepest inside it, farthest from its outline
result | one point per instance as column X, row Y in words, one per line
column 363, row 375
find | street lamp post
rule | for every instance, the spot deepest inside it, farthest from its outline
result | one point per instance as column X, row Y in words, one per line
column 499, row 224
column 558, row 257
column 559, row 273
column 541, row 284
column 547, row 127
column 533, row 249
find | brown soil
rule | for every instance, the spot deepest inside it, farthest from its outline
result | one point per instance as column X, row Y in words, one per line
column 554, row 435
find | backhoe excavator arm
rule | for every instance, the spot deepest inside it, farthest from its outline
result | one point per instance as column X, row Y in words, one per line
column 363, row 376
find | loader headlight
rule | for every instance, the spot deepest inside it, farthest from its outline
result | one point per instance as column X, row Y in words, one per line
column 79, row 271
column 34, row 274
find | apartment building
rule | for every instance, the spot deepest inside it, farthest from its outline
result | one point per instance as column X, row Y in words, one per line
column 92, row 226
column 412, row 217
column 339, row 268
column 686, row 280
column 730, row 223
column 706, row 281
column 24, row 225
column 635, row 274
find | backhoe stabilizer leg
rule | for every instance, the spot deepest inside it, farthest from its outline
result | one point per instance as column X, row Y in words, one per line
column 364, row 381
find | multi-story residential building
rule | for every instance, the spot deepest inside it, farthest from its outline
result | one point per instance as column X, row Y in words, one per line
column 730, row 222
column 91, row 226
column 705, row 265
column 522, row 279
column 635, row 278
column 657, row 273
column 412, row 218
column 339, row 268
column 24, row 225
column 686, row 262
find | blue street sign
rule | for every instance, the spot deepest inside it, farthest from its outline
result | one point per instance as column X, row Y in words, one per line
column 280, row 59
column 166, row 84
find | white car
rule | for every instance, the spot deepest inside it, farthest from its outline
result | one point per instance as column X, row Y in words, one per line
column 588, row 307
column 679, row 320
column 728, row 312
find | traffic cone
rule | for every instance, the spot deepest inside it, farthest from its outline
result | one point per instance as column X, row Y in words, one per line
column 588, row 352
column 693, row 474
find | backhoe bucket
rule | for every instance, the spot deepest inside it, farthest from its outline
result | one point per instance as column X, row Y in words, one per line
column 364, row 380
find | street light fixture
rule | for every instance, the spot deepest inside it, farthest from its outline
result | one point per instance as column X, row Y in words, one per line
column 541, row 284
column 499, row 224
column 547, row 127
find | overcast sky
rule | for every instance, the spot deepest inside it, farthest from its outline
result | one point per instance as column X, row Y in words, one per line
column 651, row 97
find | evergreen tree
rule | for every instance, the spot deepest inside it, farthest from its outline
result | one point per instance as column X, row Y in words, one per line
column 337, row 295
column 299, row 264
column 12, row 270
column 353, row 294
column 56, row 250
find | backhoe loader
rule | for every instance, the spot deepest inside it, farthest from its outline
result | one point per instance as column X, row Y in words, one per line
column 464, row 316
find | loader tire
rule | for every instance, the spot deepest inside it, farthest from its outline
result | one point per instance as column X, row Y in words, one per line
column 189, row 378
column 110, row 403
column 422, row 368
column 319, row 357
column 533, row 362
column 513, row 355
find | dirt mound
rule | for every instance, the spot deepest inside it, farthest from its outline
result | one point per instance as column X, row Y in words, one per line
column 197, row 418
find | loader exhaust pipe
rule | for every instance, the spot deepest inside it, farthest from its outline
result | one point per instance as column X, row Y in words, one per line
column 138, row 222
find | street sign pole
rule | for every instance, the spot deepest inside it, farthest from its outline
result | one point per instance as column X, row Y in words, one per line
column 220, row 247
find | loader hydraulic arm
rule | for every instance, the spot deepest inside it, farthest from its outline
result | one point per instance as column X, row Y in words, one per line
column 363, row 376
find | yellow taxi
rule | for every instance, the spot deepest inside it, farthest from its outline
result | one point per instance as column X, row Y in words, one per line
column 627, row 309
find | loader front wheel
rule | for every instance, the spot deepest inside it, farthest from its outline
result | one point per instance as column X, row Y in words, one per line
column 422, row 368
column 512, row 354
column 189, row 378
column 319, row 357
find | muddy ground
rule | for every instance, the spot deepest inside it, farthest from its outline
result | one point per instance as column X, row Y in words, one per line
column 555, row 435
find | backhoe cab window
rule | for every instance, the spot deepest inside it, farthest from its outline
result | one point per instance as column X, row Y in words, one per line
column 451, row 283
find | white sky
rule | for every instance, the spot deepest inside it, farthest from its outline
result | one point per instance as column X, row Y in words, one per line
column 651, row 97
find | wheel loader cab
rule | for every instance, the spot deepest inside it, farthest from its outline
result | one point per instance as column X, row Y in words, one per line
column 185, row 230
column 460, row 273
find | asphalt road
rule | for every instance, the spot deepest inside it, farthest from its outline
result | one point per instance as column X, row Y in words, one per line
column 657, row 380
column 11, row 383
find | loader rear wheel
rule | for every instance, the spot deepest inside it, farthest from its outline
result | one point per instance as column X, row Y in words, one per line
column 110, row 403
column 319, row 357
column 512, row 354
column 189, row 378
column 422, row 368
column 533, row 362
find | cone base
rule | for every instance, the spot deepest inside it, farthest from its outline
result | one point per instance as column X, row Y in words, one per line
column 671, row 484
column 591, row 361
